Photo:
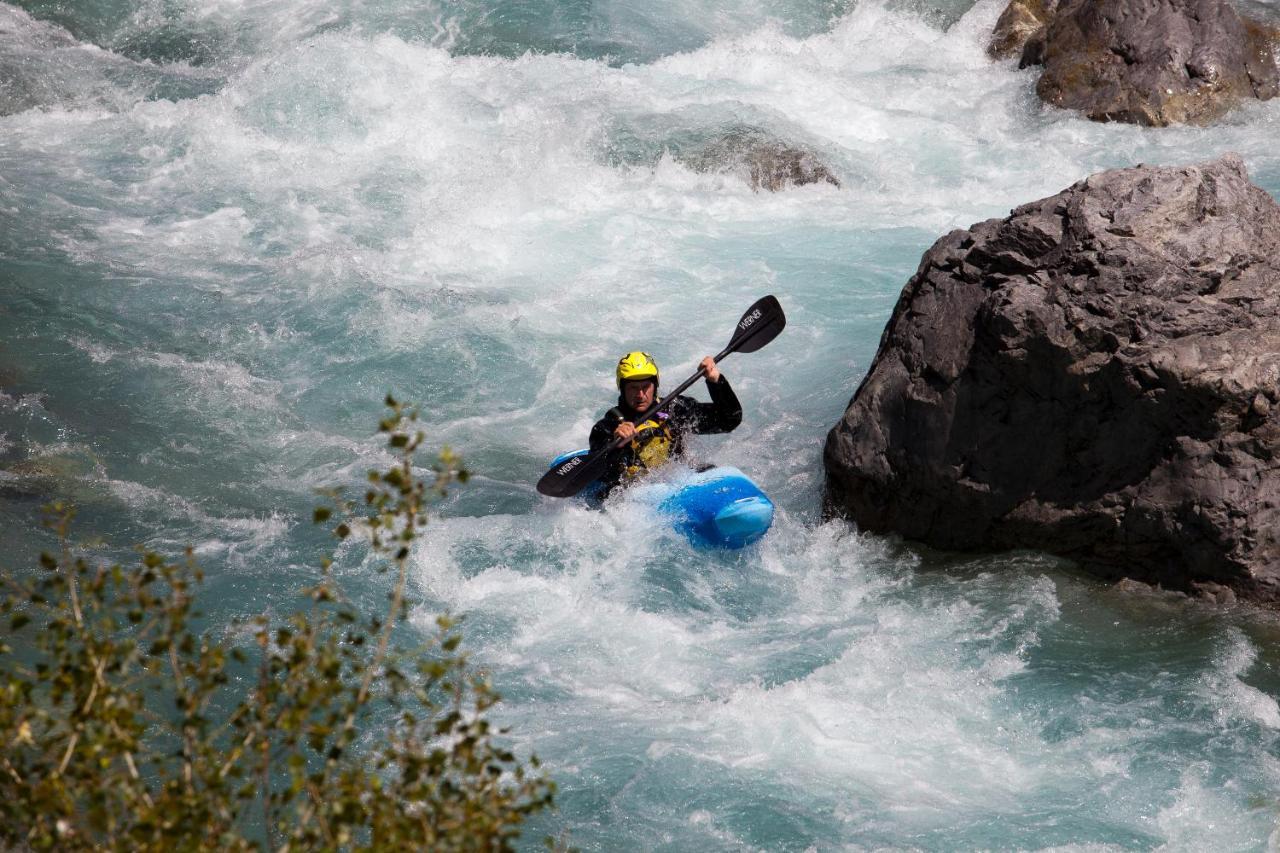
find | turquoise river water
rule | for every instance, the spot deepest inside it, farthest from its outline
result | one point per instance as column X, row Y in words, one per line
column 229, row 227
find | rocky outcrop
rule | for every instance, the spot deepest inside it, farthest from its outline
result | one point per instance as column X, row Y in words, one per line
column 1096, row 375
column 1150, row 62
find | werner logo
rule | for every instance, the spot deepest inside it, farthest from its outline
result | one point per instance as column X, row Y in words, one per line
column 748, row 321
column 569, row 466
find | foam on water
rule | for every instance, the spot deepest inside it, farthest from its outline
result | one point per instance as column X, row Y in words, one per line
column 830, row 680
column 479, row 206
column 1235, row 700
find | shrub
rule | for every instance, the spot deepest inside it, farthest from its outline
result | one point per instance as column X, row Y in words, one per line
column 126, row 726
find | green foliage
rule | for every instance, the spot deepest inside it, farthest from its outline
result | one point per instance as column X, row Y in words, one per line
column 124, row 726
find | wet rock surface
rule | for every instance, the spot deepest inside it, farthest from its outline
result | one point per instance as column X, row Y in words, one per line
column 1096, row 375
column 1020, row 22
column 1150, row 62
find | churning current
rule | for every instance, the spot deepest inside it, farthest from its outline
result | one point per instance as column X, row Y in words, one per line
column 228, row 229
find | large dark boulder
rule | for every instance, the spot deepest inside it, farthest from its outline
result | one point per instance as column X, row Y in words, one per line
column 1096, row 375
column 1150, row 62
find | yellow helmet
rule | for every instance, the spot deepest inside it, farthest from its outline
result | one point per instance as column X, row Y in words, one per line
column 637, row 365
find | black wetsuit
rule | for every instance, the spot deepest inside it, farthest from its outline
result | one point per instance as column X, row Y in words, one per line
column 662, row 436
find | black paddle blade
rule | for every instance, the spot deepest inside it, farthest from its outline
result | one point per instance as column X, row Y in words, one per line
column 761, row 324
column 572, row 476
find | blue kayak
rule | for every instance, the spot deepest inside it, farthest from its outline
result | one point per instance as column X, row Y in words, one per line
column 717, row 508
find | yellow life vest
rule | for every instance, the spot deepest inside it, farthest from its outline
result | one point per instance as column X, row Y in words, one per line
column 651, row 448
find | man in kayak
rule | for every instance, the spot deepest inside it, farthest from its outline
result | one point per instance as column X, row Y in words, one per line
column 660, row 438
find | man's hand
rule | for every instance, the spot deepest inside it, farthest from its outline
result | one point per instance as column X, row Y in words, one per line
column 709, row 365
column 625, row 430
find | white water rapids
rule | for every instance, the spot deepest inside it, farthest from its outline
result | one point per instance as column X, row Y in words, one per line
column 228, row 228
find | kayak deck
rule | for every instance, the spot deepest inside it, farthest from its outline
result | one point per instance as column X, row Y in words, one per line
column 719, row 508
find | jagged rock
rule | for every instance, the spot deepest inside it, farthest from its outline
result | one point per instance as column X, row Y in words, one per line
column 1095, row 375
column 1150, row 62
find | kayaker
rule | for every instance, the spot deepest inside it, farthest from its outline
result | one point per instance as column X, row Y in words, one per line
column 660, row 438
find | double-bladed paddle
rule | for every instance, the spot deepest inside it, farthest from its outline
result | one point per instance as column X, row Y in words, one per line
column 760, row 325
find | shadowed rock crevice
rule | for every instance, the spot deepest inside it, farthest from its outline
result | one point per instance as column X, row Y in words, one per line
column 1095, row 375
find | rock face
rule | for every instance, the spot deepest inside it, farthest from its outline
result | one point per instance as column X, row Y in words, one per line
column 1096, row 375
column 1151, row 62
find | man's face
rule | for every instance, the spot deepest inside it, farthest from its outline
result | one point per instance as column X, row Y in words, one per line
column 639, row 394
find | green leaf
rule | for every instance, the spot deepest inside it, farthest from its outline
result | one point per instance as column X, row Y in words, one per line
column 290, row 701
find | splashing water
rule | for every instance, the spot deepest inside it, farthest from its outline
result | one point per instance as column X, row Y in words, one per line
column 228, row 228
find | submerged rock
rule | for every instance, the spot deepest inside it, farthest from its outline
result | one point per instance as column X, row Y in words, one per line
column 1096, row 375
column 764, row 162
column 1150, row 62
column 65, row 473
column 712, row 143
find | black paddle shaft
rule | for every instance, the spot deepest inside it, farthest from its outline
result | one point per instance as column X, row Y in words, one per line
column 758, row 326
column 754, row 323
